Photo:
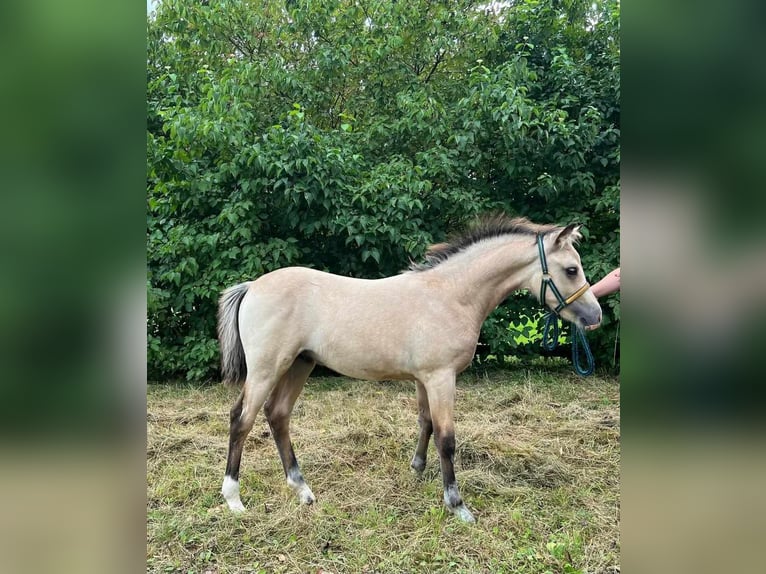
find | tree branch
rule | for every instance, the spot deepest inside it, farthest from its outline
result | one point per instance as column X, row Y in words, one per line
column 439, row 57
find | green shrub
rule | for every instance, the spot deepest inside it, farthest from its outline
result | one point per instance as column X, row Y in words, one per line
column 316, row 133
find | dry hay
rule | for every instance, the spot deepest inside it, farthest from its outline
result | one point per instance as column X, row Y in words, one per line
column 537, row 460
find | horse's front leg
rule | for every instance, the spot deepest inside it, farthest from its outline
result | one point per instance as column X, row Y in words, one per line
column 418, row 463
column 441, row 399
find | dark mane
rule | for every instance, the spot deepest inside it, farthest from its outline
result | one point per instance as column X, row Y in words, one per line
column 487, row 227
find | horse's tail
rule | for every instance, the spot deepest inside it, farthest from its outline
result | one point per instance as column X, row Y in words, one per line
column 233, row 366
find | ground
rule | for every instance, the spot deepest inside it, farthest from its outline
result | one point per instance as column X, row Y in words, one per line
column 537, row 460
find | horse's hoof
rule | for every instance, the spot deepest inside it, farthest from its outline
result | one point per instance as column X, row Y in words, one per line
column 236, row 507
column 308, row 500
column 306, row 496
column 418, row 465
column 462, row 513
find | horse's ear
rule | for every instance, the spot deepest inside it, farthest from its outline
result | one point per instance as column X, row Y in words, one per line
column 570, row 231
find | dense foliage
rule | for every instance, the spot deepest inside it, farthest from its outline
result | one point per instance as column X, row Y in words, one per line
column 347, row 135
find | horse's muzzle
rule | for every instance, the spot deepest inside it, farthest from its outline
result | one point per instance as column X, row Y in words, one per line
column 589, row 322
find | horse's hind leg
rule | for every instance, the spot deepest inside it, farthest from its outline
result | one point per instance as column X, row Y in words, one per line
column 418, row 463
column 257, row 388
column 278, row 410
column 230, row 488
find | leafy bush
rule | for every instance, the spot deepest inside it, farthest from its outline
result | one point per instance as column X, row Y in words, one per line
column 348, row 138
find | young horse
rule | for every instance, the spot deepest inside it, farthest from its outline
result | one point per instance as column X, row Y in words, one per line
column 421, row 325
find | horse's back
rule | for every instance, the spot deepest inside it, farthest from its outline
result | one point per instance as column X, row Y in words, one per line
column 290, row 280
column 300, row 295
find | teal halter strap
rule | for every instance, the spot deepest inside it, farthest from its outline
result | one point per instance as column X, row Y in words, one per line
column 551, row 340
column 547, row 282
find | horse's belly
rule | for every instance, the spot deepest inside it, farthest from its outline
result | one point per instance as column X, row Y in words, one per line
column 373, row 369
column 364, row 360
column 370, row 373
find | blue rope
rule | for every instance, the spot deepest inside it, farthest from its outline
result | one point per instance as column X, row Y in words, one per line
column 550, row 342
column 579, row 344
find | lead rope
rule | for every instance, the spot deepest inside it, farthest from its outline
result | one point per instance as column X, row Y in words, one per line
column 579, row 344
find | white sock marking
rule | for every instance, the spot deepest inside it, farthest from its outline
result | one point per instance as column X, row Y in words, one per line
column 230, row 491
column 461, row 510
column 301, row 489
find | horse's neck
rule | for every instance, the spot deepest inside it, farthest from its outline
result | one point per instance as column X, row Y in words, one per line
column 482, row 277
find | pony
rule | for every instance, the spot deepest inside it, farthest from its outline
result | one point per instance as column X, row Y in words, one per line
column 421, row 325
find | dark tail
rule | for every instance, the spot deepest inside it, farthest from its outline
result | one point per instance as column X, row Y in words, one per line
column 233, row 366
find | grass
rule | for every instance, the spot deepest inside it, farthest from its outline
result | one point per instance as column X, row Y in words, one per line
column 537, row 462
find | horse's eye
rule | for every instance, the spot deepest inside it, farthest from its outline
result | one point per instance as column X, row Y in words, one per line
column 571, row 271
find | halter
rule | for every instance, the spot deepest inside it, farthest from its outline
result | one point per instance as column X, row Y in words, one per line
column 547, row 282
column 551, row 319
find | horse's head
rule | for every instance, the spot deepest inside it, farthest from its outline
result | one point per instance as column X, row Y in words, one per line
column 563, row 287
